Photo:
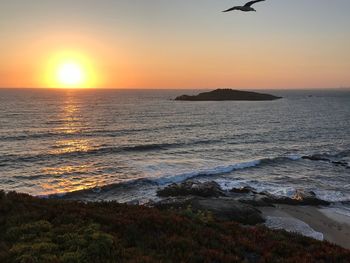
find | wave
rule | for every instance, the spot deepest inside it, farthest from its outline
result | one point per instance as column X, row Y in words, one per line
column 209, row 172
column 23, row 137
column 178, row 178
column 6, row 159
column 102, row 150
column 278, row 190
column 336, row 158
column 341, row 154
column 221, row 170
column 85, row 132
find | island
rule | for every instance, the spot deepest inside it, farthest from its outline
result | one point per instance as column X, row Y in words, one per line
column 229, row 94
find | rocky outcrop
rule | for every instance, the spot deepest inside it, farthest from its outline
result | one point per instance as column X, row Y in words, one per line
column 247, row 194
column 238, row 204
column 222, row 208
column 228, row 209
column 258, row 200
column 243, row 190
column 307, row 198
column 299, row 198
column 206, row 189
column 228, row 94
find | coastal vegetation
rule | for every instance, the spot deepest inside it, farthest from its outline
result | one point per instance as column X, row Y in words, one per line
column 51, row 230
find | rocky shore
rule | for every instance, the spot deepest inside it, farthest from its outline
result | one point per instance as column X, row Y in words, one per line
column 247, row 206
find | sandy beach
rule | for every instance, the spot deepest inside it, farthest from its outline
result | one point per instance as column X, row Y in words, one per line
column 334, row 227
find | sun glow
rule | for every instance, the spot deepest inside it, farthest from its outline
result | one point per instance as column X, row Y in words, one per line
column 70, row 74
column 70, row 69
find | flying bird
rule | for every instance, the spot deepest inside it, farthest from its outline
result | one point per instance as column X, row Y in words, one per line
column 246, row 8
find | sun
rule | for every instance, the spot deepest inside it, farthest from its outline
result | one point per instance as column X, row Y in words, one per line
column 70, row 69
column 71, row 74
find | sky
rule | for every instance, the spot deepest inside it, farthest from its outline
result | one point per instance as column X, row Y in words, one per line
column 179, row 44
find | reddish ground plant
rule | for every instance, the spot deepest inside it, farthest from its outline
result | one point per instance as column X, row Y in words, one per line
column 40, row 230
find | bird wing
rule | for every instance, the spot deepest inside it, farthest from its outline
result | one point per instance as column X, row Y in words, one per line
column 231, row 9
column 249, row 4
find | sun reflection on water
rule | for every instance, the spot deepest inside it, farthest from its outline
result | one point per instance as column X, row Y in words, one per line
column 64, row 186
column 71, row 146
column 69, row 116
column 70, row 176
column 65, row 170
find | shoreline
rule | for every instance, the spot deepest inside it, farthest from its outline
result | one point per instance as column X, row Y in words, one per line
column 334, row 227
column 307, row 213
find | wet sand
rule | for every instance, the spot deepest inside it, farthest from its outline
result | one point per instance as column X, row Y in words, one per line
column 335, row 227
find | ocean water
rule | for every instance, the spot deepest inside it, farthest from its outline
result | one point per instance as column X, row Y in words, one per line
column 59, row 141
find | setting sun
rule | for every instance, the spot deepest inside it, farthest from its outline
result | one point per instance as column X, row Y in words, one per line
column 70, row 74
column 70, row 69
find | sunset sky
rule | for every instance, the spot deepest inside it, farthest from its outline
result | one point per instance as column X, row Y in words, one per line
column 176, row 44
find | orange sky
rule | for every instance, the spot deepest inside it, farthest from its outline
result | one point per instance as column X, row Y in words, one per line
column 179, row 47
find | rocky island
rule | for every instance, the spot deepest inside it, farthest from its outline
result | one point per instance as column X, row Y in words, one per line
column 228, row 94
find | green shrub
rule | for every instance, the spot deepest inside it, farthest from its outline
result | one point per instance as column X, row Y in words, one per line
column 35, row 230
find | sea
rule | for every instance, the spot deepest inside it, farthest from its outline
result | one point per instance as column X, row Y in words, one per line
column 123, row 145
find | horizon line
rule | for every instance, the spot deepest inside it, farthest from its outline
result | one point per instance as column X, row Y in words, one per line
column 187, row 88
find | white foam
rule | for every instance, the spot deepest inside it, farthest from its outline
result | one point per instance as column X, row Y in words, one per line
column 277, row 190
column 332, row 196
column 283, row 191
column 214, row 171
column 338, row 209
column 294, row 157
column 293, row 225
column 229, row 184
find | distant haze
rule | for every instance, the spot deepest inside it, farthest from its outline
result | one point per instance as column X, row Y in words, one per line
column 180, row 44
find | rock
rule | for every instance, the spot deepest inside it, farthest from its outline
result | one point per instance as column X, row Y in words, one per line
column 301, row 195
column 299, row 198
column 172, row 203
column 258, row 200
column 308, row 198
column 243, row 190
column 222, row 208
column 228, row 94
column 229, row 210
column 206, row 189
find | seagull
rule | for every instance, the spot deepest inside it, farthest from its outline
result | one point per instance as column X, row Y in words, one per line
column 246, row 8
